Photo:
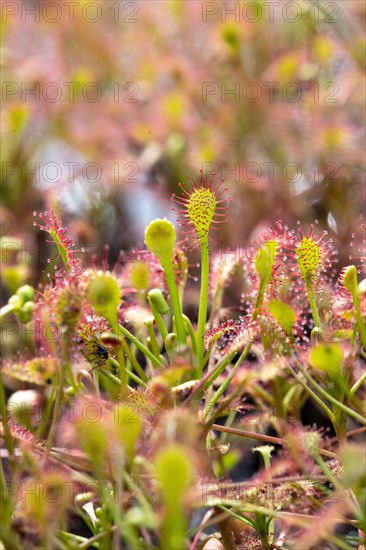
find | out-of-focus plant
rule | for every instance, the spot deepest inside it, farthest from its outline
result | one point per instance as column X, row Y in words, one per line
column 133, row 417
column 268, row 94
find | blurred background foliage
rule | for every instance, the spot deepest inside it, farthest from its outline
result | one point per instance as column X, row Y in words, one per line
column 143, row 93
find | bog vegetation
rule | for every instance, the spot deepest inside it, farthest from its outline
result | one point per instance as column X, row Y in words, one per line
column 129, row 423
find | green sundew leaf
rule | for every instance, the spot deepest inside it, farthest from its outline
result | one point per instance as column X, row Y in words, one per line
column 140, row 275
column 350, row 278
column 156, row 299
column 354, row 464
column 173, row 471
column 231, row 460
column 327, row 358
column 284, row 314
column 104, row 295
column 265, row 260
column 60, row 248
column 160, row 237
column 172, row 375
column 93, row 439
column 128, row 426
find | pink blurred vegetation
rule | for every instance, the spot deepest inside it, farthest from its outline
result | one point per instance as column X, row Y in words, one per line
column 161, row 57
column 147, row 96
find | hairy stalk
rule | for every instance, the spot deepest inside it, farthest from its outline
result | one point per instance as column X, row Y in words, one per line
column 175, row 302
column 133, row 360
column 316, row 398
column 326, row 395
column 4, row 416
column 96, row 382
column 122, row 371
column 202, row 312
column 357, row 384
column 159, row 321
column 209, row 378
column 360, row 321
column 139, row 345
column 191, row 334
column 153, row 341
column 228, row 380
column 226, row 531
column 330, row 398
column 65, row 362
column 116, row 380
column 313, row 306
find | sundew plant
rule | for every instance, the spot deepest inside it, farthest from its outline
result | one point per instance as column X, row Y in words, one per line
column 130, row 424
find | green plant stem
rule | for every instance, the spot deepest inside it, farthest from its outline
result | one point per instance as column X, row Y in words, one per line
column 116, row 380
column 209, row 378
column 191, row 333
column 159, row 321
column 324, row 468
column 139, row 345
column 216, row 304
column 329, row 397
column 42, row 428
column 243, row 519
column 316, row 398
column 264, row 394
column 153, row 342
column 202, row 312
column 226, row 532
column 218, row 370
column 4, row 416
column 95, row 538
column 332, row 399
column 357, row 384
column 3, row 488
column 360, row 322
column 313, row 306
column 268, row 533
column 175, row 302
column 96, row 382
column 65, row 361
column 122, row 372
column 7, row 310
column 134, row 362
column 228, row 380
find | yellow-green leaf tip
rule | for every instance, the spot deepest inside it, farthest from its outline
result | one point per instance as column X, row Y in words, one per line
column 104, row 295
column 160, row 237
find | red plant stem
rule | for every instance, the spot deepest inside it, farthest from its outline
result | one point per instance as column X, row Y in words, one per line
column 259, row 437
